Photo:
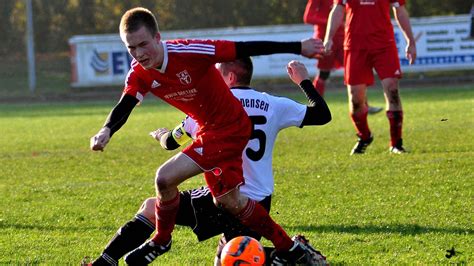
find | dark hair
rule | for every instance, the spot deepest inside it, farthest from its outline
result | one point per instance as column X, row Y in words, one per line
column 137, row 17
column 242, row 68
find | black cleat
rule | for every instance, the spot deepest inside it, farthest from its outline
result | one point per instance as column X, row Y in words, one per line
column 302, row 253
column 398, row 148
column 146, row 253
column 361, row 145
column 372, row 110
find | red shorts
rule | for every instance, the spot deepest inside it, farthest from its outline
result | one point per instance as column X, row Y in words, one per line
column 219, row 154
column 359, row 65
column 336, row 58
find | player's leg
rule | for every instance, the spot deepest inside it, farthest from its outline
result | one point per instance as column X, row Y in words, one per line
column 357, row 75
column 235, row 229
column 358, row 111
column 173, row 172
column 130, row 235
column 387, row 65
column 253, row 215
column 394, row 114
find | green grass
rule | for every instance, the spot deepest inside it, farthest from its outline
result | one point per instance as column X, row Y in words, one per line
column 61, row 202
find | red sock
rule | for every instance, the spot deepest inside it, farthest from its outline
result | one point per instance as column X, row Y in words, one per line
column 319, row 85
column 165, row 213
column 256, row 218
column 359, row 120
column 395, row 118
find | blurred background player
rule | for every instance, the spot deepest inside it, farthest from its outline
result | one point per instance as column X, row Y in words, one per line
column 270, row 114
column 316, row 13
column 369, row 44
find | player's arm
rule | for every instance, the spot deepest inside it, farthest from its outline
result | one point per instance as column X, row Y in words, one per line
column 317, row 112
column 403, row 20
column 335, row 20
column 309, row 48
column 171, row 140
column 116, row 119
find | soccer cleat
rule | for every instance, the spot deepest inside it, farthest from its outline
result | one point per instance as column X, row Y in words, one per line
column 373, row 110
column 398, row 148
column 361, row 145
column 302, row 253
column 146, row 253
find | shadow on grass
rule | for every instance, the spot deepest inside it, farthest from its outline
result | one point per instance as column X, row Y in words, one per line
column 403, row 229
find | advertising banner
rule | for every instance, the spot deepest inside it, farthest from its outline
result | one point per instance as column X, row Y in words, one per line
column 443, row 43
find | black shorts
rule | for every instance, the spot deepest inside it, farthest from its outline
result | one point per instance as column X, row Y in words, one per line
column 197, row 210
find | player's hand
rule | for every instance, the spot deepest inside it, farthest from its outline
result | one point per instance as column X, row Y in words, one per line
column 157, row 134
column 297, row 71
column 410, row 53
column 312, row 48
column 98, row 142
column 328, row 47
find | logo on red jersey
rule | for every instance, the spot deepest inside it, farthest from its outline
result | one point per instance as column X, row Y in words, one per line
column 184, row 77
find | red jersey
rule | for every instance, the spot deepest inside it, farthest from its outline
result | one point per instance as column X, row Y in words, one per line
column 189, row 81
column 368, row 23
column 317, row 12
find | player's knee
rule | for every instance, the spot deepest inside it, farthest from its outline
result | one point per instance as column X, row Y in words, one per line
column 228, row 204
column 162, row 180
column 391, row 85
column 357, row 105
column 148, row 209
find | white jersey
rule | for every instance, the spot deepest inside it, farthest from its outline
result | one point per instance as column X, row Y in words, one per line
column 269, row 114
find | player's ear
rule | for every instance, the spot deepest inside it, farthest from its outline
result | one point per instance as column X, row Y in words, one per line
column 158, row 37
column 232, row 77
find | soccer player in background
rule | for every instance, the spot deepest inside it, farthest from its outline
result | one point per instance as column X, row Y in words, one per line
column 182, row 73
column 369, row 43
column 316, row 13
column 269, row 114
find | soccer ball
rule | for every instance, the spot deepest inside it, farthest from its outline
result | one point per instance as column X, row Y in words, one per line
column 243, row 250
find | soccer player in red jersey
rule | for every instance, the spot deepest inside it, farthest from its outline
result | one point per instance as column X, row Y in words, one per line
column 270, row 114
column 369, row 44
column 182, row 73
column 316, row 13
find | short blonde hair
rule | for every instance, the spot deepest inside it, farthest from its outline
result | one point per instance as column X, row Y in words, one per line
column 133, row 19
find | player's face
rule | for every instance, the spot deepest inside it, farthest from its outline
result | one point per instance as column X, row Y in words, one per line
column 144, row 47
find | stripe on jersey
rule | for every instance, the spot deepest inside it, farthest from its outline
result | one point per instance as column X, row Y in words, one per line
column 197, row 48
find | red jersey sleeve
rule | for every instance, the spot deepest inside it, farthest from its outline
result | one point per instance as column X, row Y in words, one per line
column 134, row 86
column 225, row 51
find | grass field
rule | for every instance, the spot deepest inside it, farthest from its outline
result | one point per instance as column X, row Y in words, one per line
column 61, row 202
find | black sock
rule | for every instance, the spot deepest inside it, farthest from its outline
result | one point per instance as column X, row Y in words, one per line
column 131, row 235
column 324, row 75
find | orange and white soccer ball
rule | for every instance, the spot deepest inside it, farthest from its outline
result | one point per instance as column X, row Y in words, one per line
column 243, row 250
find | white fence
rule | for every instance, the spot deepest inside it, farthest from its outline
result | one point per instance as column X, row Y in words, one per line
column 443, row 43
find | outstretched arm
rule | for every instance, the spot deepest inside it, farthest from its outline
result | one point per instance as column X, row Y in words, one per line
column 309, row 48
column 317, row 112
column 116, row 119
